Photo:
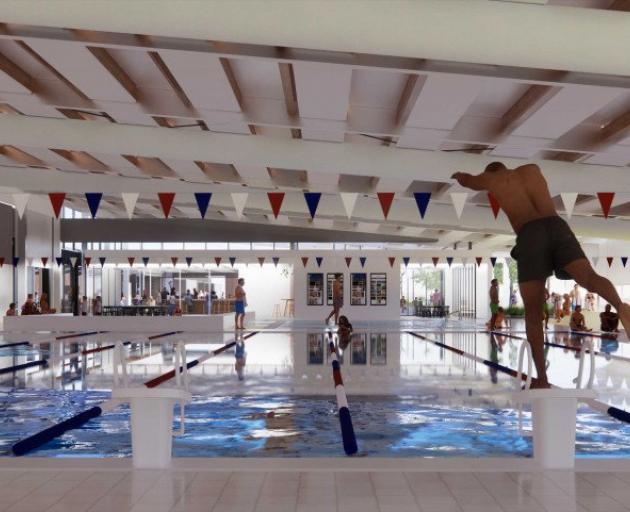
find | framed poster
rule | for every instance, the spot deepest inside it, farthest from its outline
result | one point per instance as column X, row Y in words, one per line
column 378, row 348
column 358, row 347
column 315, row 289
column 315, row 348
column 329, row 287
column 358, row 289
column 378, row 289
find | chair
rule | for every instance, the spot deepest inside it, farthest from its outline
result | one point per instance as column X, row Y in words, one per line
column 276, row 311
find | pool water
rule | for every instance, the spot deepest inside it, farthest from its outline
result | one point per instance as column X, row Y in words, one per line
column 298, row 426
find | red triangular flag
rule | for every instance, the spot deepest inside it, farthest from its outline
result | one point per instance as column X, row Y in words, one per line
column 348, row 261
column 606, row 199
column 386, row 199
column 609, row 259
column 391, row 259
column 44, row 261
column 304, row 260
column 174, row 260
column 261, row 260
column 166, row 200
column 131, row 259
column 275, row 200
column 88, row 260
column 494, row 205
column 57, row 199
column 435, row 261
column 478, row 259
column 217, row 260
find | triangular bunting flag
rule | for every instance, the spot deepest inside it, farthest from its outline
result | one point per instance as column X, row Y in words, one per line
column 595, row 261
column 304, row 260
column 362, row 260
column 459, row 200
column 102, row 261
column 494, row 205
column 348, row 261
column 624, row 261
column 145, row 260
column 493, row 261
column 606, row 199
column 478, row 259
column 94, row 201
column 568, row 200
column 275, row 260
column 166, row 201
column 189, row 261
column 44, row 261
column 406, row 260
column 16, row 261
column 391, row 259
column 174, row 260
column 20, row 201
column 203, row 200
column 422, row 201
column 435, row 260
column 239, row 199
column 261, row 260
column 232, row 260
column 217, row 260
column 312, row 201
column 386, row 199
column 275, row 200
column 1, row 261
column 29, row 262
column 87, row 260
column 56, row 200
column 609, row 259
column 129, row 200
column 349, row 200
column 319, row 260
column 59, row 260
column 464, row 261
column 131, row 259
column 449, row 260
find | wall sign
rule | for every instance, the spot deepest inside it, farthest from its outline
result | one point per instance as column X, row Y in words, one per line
column 315, row 289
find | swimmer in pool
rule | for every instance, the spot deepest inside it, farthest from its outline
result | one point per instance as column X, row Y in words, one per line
column 545, row 245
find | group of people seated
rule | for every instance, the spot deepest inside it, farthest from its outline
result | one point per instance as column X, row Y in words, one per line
column 609, row 320
column 34, row 305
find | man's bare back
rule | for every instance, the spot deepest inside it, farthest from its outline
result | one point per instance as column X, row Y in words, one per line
column 522, row 193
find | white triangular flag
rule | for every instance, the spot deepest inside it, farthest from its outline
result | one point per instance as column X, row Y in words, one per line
column 74, row 260
column 609, row 383
column 239, row 199
column 29, row 262
column 595, row 261
column 568, row 199
column 349, row 199
column 464, row 261
column 624, row 384
column 130, row 199
column 20, row 200
column 459, row 200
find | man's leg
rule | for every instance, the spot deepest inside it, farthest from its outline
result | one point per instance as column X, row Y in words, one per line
column 329, row 316
column 533, row 294
column 584, row 275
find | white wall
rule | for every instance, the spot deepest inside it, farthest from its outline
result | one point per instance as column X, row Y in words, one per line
column 266, row 286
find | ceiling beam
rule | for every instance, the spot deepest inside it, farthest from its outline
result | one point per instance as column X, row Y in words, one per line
column 533, row 98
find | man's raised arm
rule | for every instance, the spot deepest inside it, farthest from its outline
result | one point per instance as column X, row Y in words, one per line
column 478, row 182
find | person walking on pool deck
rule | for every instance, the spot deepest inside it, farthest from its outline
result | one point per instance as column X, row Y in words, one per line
column 494, row 303
column 337, row 300
column 544, row 244
column 239, row 304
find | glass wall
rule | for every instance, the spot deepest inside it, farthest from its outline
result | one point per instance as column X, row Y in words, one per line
column 421, row 284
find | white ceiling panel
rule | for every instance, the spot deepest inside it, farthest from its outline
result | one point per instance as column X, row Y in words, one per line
column 377, row 89
column 80, row 67
column 202, row 78
column 323, row 90
column 568, row 108
column 8, row 84
column 258, row 78
column 618, row 156
column 186, row 169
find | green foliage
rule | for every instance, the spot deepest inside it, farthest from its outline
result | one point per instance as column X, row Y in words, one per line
column 515, row 311
column 513, row 271
column 498, row 272
column 430, row 278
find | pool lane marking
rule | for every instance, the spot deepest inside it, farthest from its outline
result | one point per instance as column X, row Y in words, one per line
column 345, row 420
column 24, row 366
column 16, row 344
column 79, row 335
column 599, row 406
column 191, row 364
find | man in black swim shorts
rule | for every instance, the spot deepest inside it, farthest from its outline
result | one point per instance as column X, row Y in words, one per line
column 545, row 245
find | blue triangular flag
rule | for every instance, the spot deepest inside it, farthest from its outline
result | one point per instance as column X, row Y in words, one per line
column 312, row 201
column 145, row 260
column 422, row 200
column 449, row 260
column 624, row 260
column 16, row 260
column 188, row 260
column 319, row 260
column 203, row 200
column 93, row 200
column 102, row 260
column 232, row 260
column 406, row 260
column 275, row 260
column 493, row 260
column 362, row 259
column 59, row 260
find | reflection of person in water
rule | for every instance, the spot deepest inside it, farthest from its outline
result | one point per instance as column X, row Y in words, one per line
column 280, row 429
column 494, row 357
column 344, row 332
column 240, row 357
